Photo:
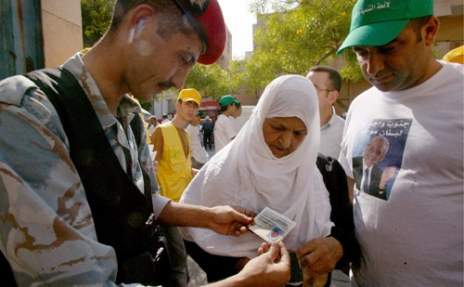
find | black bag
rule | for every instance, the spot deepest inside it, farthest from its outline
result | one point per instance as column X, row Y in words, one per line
column 150, row 267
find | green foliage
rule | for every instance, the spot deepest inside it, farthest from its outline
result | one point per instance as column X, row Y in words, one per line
column 307, row 33
column 96, row 17
column 298, row 35
column 210, row 81
column 146, row 105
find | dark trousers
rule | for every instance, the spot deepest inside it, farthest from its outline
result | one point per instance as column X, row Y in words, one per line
column 208, row 140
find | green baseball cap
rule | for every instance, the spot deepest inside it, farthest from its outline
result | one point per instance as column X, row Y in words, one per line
column 378, row 22
column 226, row 100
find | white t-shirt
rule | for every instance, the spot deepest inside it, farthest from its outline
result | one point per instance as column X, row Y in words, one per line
column 331, row 136
column 224, row 131
column 410, row 220
column 198, row 152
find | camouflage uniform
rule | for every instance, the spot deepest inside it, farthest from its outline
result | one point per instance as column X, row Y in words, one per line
column 46, row 226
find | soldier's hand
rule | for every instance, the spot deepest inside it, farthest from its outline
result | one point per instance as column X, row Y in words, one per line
column 228, row 221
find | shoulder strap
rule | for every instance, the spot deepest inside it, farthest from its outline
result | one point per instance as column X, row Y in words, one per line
column 342, row 212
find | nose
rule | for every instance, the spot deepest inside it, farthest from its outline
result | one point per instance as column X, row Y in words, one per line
column 374, row 63
column 178, row 79
column 286, row 140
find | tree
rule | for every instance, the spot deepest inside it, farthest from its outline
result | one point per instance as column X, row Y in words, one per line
column 210, row 81
column 96, row 17
column 301, row 34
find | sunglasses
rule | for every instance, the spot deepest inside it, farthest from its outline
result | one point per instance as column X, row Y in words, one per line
column 195, row 9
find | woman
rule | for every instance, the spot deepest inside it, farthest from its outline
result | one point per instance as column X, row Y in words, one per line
column 271, row 163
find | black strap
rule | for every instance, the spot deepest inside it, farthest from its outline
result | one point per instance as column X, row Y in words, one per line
column 341, row 209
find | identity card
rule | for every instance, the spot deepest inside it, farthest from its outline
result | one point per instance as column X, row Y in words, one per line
column 271, row 225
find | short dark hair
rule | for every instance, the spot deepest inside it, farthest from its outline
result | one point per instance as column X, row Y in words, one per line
column 223, row 108
column 417, row 24
column 170, row 22
column 334, row 76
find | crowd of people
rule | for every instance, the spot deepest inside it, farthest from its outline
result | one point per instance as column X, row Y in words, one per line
column 93, row 191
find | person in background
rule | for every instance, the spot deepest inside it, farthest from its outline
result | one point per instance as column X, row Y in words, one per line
column 199, row 154
column 225, row 128
column 164, row 119
column 328, row 82
column 413, row 234
column 172, row 146
column 208, row 136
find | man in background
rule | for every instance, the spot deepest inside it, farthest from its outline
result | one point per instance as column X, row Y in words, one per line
column 328, row 82
column 172, row 146
column 225, row 128
column 208, row 129
column 199, row 154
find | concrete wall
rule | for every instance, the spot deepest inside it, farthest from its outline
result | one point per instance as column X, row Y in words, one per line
column 62, row 30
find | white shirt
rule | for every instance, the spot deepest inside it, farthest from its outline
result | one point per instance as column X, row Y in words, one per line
column 198, row 152
column 331, row 136
column 224, row 131
column 413, row 235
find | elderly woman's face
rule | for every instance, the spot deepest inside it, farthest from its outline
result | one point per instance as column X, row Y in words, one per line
column 283, row 135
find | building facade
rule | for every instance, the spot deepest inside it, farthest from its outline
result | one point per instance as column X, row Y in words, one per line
column 37, row 34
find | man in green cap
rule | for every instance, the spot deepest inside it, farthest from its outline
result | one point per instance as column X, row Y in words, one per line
column 225, row 128
column 411, row 231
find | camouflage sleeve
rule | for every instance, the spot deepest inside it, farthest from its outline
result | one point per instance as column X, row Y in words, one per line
column 46, row 228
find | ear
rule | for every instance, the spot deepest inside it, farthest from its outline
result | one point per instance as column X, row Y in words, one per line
column 178, row 105
column 140, row 15
column 430, row 30
column 332, row 96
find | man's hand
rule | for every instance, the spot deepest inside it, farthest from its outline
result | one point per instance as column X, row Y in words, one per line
column 226, row 220
column 319, row 256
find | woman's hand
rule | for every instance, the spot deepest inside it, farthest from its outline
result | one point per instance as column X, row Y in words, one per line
column 319, row 256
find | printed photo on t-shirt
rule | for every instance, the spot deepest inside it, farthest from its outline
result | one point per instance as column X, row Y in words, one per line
column 378, row 156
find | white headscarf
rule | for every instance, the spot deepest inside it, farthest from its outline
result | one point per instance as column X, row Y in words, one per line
column 246, row 174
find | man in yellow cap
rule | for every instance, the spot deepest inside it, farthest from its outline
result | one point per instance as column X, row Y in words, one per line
column 172, row 145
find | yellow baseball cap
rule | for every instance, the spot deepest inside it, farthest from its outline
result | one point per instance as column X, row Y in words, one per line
column 189, row 95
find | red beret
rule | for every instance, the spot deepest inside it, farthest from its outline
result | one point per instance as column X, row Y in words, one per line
column 214, row 27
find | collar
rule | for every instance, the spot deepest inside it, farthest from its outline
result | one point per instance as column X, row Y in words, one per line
column 330, row 122
column 126, row 108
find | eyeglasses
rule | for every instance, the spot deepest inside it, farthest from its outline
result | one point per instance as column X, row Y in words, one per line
column 195, row 10
column 323, row 90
